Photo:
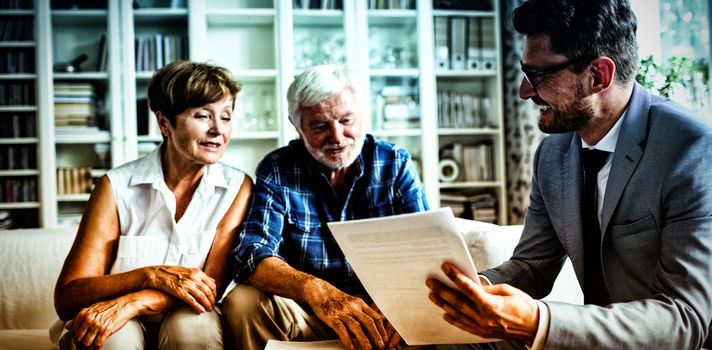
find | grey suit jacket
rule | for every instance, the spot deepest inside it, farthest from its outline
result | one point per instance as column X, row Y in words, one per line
column 657, row 234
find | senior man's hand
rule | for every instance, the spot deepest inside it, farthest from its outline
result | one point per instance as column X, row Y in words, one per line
column 349, row 316
column 497, row 311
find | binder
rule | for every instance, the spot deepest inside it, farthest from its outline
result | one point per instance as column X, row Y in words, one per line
column 442, row 50
column 488, row 51
column 474, row 45
column 458, row 42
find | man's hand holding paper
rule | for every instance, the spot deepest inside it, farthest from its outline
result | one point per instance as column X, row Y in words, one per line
column 495, row 311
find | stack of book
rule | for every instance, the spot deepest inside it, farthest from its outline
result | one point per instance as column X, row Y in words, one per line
column 471, row 205
column 74, row 110
column 474, row 162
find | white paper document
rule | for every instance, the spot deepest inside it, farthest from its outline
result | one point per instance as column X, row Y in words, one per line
column 297, row 345
column 393, row 256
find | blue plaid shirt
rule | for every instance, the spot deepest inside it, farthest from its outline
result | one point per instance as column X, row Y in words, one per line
column 293, row 200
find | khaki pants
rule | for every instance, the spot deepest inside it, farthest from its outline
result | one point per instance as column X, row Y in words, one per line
column 253, row 317
column 179, row 329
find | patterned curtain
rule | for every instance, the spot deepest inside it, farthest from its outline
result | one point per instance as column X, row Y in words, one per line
column 522, row 135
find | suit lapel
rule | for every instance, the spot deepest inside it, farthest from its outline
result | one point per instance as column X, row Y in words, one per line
column 629, row 150
column 571, row 182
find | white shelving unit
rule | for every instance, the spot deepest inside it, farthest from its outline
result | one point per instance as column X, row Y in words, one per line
column 67, row 34
column 264, row 43
column 20, row 191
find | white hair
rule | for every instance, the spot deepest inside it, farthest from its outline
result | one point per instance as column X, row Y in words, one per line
column 315, row 85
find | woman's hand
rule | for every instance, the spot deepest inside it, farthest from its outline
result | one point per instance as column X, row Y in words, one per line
column 190, row 285
column 96, row 323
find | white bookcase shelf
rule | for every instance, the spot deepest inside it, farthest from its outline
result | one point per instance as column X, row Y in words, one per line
column 264, row 43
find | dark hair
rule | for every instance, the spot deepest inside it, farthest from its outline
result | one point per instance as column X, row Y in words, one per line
column 183, row 84
column 584, row 28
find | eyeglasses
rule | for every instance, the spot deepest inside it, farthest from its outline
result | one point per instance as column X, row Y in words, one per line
column 532, row 76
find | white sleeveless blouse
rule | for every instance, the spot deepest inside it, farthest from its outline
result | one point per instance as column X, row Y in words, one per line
column 149, row 233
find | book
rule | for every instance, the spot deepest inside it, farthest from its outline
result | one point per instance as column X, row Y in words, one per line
column 101, row 57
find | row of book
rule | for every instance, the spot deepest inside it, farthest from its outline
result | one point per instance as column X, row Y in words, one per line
column 17, row 94
column 471, row 5
column 473, row 206
column 458, row 110
column 16, row 5
column 465, row 43
column 155, row 51
column 75, row 180
column 391, row 4
column 318, row 4
column 462, row 163
column 18, row 125
column 16, row 30
column 14, row 190
column 18, row 157
column 17, row 61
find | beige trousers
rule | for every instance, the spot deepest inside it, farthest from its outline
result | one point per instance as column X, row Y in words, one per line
column 180, row 329
column 253, row 317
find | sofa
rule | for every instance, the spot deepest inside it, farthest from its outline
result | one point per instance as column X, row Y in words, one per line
column 31, row 259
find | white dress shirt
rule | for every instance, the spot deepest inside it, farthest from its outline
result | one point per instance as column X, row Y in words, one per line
column 149, row 233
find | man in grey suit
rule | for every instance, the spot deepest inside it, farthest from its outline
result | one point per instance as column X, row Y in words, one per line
column 639, row 234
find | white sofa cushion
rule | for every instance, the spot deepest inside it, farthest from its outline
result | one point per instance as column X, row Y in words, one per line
column 30, row 262
column 491, row 245
column 24, row 339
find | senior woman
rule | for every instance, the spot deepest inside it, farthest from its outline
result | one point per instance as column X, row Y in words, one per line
column 150, row 259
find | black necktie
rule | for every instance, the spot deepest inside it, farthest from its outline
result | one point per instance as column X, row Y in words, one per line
column 594, row 287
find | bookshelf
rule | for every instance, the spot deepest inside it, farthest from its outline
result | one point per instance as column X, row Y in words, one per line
column 469, row 111
column 265, row 43
column 19, row 142
column 83, row 105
